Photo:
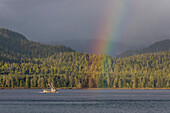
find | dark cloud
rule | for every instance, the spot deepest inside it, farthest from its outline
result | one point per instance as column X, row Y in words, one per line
column 145, row 21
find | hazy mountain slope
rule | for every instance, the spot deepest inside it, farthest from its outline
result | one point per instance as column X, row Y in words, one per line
column 160, row 46
column 15, row 44
column 89, row 46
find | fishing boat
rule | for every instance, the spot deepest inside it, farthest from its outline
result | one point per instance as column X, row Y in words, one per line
column 51, row 90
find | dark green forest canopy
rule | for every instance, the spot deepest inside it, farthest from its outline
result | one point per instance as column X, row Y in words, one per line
column 89, row 71
column 30, row 64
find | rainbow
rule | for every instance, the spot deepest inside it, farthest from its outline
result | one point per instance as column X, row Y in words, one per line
column 111, row 27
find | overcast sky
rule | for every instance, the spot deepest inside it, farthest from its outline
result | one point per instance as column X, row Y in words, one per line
column 146, row 21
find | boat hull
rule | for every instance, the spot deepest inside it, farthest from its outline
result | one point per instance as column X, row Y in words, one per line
column 46, row 91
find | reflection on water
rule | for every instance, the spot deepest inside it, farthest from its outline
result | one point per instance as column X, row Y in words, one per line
column 85, row 101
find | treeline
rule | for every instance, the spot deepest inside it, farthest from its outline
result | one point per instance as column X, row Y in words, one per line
column 88, row 71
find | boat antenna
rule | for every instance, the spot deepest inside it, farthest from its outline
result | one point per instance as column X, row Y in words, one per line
column 52, row 85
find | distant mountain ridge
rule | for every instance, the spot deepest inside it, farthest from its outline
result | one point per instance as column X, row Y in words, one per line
column 15, row 44
column 160, row 46
column 88, row 46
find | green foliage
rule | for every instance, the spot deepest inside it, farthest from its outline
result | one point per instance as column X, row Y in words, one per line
column 30, row 64
column 97, row 71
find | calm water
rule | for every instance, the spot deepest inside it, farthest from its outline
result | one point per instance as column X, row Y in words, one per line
column 85, row 101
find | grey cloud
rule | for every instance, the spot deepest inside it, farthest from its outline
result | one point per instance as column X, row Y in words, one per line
column 145, row 21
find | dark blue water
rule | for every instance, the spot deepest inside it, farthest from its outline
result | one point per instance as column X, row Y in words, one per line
column 85, row 101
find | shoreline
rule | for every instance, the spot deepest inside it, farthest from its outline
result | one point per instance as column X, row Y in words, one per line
column 91, row 88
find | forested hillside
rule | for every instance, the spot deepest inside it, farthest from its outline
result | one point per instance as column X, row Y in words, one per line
column 15, row 45
column 157, row 47
column 30, row 64
column 89, row 71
